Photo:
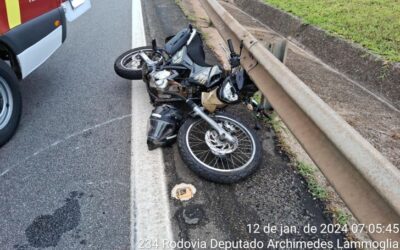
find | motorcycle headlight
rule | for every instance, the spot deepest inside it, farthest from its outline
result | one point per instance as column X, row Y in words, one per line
column 228, row 93
column 178, row 57
column 162, row 74
column 160, row 78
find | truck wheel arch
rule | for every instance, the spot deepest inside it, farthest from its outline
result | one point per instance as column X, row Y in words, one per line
column 7, row 53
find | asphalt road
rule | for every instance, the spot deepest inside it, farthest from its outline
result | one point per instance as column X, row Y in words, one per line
column 65, row 176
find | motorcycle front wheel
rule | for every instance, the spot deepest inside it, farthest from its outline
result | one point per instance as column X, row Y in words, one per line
column 215, row 159
column 129, row 64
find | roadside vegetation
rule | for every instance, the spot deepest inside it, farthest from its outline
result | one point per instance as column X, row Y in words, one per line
column 318, row 190
column 308, row 173
column 303, row 168
column 375, row 24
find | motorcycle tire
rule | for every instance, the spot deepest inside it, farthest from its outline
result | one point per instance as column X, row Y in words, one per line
column 208, row 161
column 10, row 103
column 129, row 64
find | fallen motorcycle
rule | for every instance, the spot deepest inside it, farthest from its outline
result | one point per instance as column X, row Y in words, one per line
column 189, row 96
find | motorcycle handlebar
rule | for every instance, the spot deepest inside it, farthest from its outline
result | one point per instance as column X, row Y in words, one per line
column 230, row 45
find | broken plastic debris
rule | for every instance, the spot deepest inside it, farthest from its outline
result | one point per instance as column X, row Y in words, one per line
column 192, row 214
column 183, row 192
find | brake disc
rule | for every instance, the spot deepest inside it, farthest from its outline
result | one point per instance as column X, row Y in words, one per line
column 217, row 146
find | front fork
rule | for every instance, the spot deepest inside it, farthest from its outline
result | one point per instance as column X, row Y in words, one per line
column 221, row 131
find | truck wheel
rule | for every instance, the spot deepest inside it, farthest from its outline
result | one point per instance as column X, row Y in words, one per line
column 10, row 103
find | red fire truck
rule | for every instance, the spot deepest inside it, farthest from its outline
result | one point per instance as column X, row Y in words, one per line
column 30, row 32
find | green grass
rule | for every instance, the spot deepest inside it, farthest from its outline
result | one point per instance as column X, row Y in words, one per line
column 375, row 24
column 308, row 173
column 276, row 125
column 341, row 217
column 257, row 97
column 304, row 169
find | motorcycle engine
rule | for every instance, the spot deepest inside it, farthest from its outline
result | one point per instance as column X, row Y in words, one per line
column 159, row 79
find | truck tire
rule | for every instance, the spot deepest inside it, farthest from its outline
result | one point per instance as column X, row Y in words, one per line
column 10, row 103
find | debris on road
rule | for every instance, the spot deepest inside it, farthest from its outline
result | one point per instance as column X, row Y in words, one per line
column 192, row 214
column 183, row 192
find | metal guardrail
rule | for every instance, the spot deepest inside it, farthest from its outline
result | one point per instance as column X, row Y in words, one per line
column 367, row 182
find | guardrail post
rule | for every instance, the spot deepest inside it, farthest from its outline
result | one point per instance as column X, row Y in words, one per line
column 278, row 49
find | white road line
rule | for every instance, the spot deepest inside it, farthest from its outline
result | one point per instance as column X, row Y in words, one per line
column 63, row 140
column 150, row 216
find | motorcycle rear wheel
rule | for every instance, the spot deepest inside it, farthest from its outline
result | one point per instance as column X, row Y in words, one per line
column 208, row 157
column 129, row 64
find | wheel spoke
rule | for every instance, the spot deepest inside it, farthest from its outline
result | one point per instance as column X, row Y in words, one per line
column 232, row 160
column 211, row 151
column 197, row 143
column 213, row 161
column 205, row 157
column 200, row 152
column 197, row 138
column 222, row 163
column 245, row 154
column 240, row 160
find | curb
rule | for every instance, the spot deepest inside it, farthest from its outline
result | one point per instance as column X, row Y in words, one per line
column 356, row 62
column 150, row 214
